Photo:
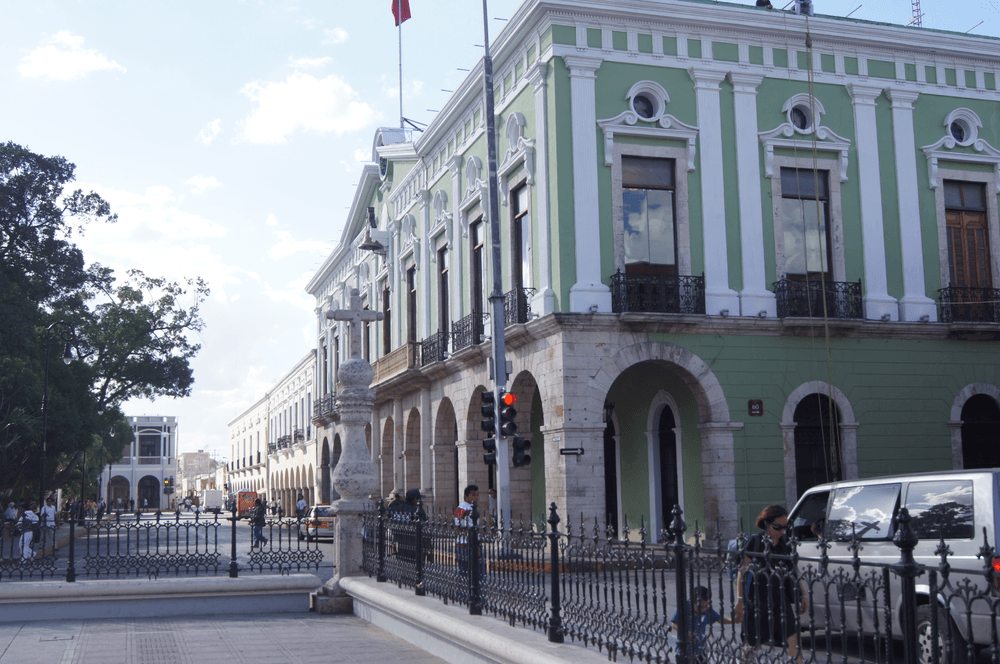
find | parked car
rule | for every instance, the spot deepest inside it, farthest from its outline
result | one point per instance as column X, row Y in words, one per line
column 956, row 506
column 317, row 523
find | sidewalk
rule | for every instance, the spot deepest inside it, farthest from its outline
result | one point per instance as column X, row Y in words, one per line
column 252, row 639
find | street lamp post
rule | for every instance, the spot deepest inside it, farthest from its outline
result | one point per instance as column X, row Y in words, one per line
column 66, row 333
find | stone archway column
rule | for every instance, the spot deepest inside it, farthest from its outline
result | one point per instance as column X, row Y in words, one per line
column 426, row 420
column 957, row 452
column 791, row 472
column 570, row 479
column 397, row 447
column 718, row 467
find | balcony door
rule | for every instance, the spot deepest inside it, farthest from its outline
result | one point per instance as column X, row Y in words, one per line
column 650, row 231
column 968, row 241
column 805, row 211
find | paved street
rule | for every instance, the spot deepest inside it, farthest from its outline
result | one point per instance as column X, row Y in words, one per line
column 264, row 639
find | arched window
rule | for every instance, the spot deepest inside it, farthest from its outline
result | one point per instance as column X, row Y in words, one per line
column 981, row 432
column 669, row 495
column 817, row 442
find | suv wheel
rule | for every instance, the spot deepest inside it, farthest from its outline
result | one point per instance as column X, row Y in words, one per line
column 925, row 641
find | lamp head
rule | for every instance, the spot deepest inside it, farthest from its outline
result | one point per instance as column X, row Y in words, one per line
column 67, row 355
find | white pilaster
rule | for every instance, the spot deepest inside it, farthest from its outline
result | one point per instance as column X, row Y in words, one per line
column 424, row 270
column 588, row 293
column 877, row 301
column 397, row 447
column 755, row 297
column 456, row 248
column 718, row 295
column 426, row 457
column 915, row 303
column 544, row 301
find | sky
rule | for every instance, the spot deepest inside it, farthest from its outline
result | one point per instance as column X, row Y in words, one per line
column 228, row 136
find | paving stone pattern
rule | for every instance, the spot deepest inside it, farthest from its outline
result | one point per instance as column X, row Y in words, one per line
column 259, row 639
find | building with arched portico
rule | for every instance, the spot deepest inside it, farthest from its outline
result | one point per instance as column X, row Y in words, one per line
column 147, row 469
column 734, row 264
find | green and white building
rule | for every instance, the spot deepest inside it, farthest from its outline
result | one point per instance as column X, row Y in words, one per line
column 744, row 251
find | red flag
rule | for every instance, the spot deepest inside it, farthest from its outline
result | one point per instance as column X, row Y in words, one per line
column 400, row 13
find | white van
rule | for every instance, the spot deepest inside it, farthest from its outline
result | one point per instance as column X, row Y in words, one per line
column 960, row 507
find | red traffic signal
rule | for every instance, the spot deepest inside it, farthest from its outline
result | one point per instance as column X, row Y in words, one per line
column 509, row 398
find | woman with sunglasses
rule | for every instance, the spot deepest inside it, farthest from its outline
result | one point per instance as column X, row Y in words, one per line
column 770, row 590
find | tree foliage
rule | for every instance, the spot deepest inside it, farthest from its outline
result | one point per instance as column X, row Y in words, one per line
column 132, row 338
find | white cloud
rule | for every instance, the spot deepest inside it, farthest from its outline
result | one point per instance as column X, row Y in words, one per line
column 210, row 131
column 200, row 183
column 334, row 36
column 307, row 63
column 411, row 89
column 287, row 245
column 302, row 101
column 271, row 220
column 64, row 58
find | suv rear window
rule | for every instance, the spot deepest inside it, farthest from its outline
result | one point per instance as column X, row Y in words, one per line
column 943, row 508
column 863, row 511
column 318, row 512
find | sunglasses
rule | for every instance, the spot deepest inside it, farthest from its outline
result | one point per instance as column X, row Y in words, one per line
column 779, row 527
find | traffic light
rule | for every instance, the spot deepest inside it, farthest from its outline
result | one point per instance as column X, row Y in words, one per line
column 489, row 412
column 507, row 414
column 166, row 482
column 490, row 449
column 521, row 448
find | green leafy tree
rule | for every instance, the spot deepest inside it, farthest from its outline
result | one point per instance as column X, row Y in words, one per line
column 132, row 339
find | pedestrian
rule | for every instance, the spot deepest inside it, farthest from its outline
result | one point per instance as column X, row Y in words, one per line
column 404, row 534
column 131, row 504
column 145, row 504
column 9, row 530
column 768, row 590
column 27, row 522
column 464, row 520
column 700, row 617
column 49, row 523
column 491, row 496
column 257, row 524
column 300, row 507
column 397, row 499
column 281, row 511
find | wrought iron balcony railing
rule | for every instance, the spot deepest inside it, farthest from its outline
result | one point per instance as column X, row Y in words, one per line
column 323, row 406
column 284, row 442
column 299, row 435
column 805, row 299
column 657, row 293
column 468, row 331
column 434, row 348
column 516, row 307
column 970, row 305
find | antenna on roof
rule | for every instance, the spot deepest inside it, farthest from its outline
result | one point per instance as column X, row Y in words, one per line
column 917, row 19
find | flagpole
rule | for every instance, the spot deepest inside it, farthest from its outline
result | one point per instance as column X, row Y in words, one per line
column 401, row 125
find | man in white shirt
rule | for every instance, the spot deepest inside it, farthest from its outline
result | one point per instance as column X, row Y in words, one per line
column 463, row 519
column 49, row 517
column 300, row 507
column 26, row 525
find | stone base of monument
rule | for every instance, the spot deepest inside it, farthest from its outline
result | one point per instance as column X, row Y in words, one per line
column 327, row 603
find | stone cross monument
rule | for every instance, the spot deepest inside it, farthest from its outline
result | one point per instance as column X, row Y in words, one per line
column 355, row 477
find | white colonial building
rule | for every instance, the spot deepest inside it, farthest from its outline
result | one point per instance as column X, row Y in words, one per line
column 272, row 446
column 148, row 467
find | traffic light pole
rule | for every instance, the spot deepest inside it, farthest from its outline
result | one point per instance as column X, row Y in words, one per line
column 496, row 296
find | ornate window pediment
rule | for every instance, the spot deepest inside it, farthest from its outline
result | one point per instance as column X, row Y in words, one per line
column 962, row 127
column 647, row 103
column 477, row 191
column 805, row 116
column 521, row 150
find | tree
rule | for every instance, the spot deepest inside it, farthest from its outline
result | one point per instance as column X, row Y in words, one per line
column 132, row 337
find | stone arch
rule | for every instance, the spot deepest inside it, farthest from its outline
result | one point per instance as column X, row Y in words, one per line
column 325, row 470
column 411, row 451
column 659, row 520
column 471, row 469
column 118, row 487
column 386, row 457
column 523, row 480
column 955, row 423
column 444, row 455
column 716, row 427
column 848, row 433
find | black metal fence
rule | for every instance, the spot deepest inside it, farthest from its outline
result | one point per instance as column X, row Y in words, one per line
column 657, row 293
column 468, row 331
column 681, row 602
column 517, row 306
column 160, row 544
column 814, row 299
column 970, row 305
column 434, row 348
